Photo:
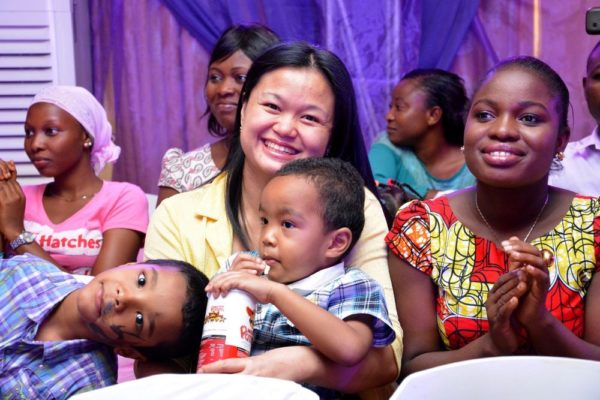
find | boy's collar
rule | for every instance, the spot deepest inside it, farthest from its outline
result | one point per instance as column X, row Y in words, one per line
column 318, row 279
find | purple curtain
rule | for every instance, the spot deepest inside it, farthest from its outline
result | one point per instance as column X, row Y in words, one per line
column 150, row 56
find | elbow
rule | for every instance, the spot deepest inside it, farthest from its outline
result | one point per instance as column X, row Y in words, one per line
column 348, row 358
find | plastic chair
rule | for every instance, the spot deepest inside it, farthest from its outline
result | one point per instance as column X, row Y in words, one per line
column 512, row 377
column 202, row 386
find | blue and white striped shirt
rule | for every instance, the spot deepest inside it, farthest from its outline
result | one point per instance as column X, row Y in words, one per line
column 30, row 288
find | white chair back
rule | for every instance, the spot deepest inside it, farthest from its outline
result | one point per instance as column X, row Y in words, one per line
column 513, row 377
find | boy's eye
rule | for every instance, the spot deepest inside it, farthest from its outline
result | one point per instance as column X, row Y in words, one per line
column 287, row 224
column 263, row 221
column 139, row 319
column 141, row 280
column 28, row 132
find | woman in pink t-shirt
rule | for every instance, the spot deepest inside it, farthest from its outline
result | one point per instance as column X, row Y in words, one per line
column 78, row 221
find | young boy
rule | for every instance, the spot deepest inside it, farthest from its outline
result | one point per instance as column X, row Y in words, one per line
column 58, row 336
column 311, row 214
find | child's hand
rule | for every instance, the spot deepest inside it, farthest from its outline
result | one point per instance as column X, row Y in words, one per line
column 260, row 288
column 248, row 263
column 8, row 170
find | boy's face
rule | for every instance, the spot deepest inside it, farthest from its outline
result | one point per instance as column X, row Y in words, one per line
column 293, row 238
column 591, row 85
column 136, row 305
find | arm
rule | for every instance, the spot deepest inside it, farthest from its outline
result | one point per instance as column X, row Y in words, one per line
column 304, row 364
column 344, row 342
column 415, row 297
column 119, row 246
column 165, row 192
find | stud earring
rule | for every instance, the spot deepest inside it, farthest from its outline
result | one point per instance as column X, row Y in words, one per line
column 462, row 148
column 87, row 144
column 559, row 156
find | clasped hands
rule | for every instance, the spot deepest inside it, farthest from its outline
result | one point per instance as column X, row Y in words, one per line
column 517, row 302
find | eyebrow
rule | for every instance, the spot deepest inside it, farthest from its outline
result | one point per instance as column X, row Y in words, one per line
column 522, row 104
column 152, row 318
column 308, row 107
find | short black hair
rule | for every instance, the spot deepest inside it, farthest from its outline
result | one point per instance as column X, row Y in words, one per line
column 445, row 90
column 252, row 40
column 193, row 311
column 340, row 188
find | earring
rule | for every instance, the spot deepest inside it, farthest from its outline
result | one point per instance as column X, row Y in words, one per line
column 87, row 144
column 462, row 148
column 559, row 156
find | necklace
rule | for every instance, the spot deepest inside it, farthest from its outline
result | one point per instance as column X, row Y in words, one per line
column 68, row 199
column 528, row 232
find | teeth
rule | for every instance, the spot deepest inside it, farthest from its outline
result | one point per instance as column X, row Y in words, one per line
column 280, row 148
column 500, row 153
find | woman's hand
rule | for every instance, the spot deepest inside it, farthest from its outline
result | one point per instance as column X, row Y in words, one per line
column 532, row 309
column 8, row 170
column 502, row 302
column 12, row 208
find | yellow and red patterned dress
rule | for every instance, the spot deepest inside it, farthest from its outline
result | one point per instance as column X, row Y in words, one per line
column 464, row 267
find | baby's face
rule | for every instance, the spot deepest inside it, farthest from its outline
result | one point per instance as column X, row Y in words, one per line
column 293, row 238
column 134, row 305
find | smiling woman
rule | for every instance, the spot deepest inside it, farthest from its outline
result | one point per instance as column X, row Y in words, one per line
column 298, row 102
column 79, row 222
column 229, row 62
column 506, row 267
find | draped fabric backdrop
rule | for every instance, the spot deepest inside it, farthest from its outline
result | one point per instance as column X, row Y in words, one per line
column 150, row 56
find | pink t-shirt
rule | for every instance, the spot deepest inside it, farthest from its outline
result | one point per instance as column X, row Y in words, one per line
column 75, row 243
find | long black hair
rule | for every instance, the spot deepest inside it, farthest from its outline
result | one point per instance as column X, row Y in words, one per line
column 346, row 141
column 252, row 40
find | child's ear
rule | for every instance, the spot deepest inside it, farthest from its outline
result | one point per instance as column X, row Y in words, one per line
column 130, row 352
column 339, row 242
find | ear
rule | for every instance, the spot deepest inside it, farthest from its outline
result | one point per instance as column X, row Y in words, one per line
column 434, row 115
column 129, row 352
column 583, row 82
column 339, row 240
column 563, row 139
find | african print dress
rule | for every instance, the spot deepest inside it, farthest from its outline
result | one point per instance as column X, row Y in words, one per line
column 464, row 267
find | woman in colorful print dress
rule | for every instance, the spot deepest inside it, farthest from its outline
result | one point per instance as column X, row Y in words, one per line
column 505, row 267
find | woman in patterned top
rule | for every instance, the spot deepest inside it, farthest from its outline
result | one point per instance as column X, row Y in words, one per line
column 229, row 62
column 509, row 263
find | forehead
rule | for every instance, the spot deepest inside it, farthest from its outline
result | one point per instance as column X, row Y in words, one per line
column 290, row 189
column 49, row 111
column 408, row 88
column 236, row 60
column 516, row 84
column 309, row 82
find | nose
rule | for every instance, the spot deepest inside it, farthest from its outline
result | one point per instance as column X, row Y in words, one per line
column 505, row 128
column 390, row 115
column 36, row 141
column 228, row 87
column 285, row 126
column 268, row 238
column 126, row 298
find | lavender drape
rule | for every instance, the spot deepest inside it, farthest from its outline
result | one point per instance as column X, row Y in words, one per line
column 150, row 56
